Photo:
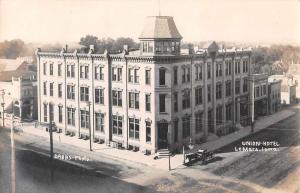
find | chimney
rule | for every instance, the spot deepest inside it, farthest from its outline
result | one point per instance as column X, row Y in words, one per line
column 92, row 48
column 125, row 48
column 66, row 48
column 191, row 49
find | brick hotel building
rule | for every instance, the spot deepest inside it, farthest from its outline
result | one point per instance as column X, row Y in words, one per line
column 148, row 98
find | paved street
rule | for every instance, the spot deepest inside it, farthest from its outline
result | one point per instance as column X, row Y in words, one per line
column 33, row 172
column 229, row 171
column 266, row 170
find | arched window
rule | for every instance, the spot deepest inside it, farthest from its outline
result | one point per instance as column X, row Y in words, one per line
column 162, row 76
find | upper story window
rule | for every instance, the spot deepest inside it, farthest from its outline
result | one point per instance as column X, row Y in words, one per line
column 219, row 91
column 175, row 71
column 218, row 69
column 133, row 76
column 228, row 88
column 117, row 125
column 148, row 131
column 186, row 74
column 117, row 98
column 45, row 88
column 136, row 76
column 198, row 72
column 99, row 75
column 147, row 46
column 51, row 112
column 245, row 85
column 116, row 74
column 45, row 112
column 257, row 91
column 59, row 66
column 198, row 95
column 51, row 89
column 84, row 72
column 134, row 128
column 237, row 67
column 228, row 112
column 186, row 125
column 208, row 70
column 237, row 86
column 60, row 114
column 186, row 99
column 59, row 90
column 264, row 89
column 99, row 96
column 84, row 119
column 219, row 115
column 162, row 103
column 71, row 71
column 167, row 47
column 198, row 122
column 245, row 66
column 162, row 76
column 84, row 93
column 208, row 93
column 148, row 102
column 45, row 68
column 175, row 102
column 71, row 92
column 134, row 100
column 228, row 67
column 148, row 77
column 71, row 116
column 51, row 69
column 99, row 122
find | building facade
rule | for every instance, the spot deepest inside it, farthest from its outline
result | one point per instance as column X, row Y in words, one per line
column 274, row 95
column 18, row 89
column 149, row 99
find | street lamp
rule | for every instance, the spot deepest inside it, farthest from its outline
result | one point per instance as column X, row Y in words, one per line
column 2, row 105
column 89, row 117
column 169, row 140
column 51, row 125
column 13, row 164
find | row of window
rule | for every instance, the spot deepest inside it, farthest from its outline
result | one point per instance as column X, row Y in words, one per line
column 186, row 102
column 99, row 96
column 133, row 74
column 186, row 77
column 134, row 124
column 260, row 91
column 199, row 121
column 117, row 122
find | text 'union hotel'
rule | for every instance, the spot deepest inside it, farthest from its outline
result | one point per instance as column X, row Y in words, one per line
column 149, row 98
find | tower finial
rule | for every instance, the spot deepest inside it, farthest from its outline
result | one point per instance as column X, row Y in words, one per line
column 158, row 7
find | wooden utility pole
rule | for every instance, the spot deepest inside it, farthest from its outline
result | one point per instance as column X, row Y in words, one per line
column 51, row 145
column 13, row 157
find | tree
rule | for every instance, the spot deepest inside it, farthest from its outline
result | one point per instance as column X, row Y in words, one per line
column 11, row 49
column 89, row 40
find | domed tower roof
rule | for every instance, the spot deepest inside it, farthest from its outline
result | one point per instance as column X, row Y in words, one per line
column 160, row 27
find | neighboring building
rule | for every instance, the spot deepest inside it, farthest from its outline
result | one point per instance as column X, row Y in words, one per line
column 288, row 88
column 18, row 89
column 294, row 74
column 146, row 99
column 288, row 94
column 274, row 95
column 260, row 94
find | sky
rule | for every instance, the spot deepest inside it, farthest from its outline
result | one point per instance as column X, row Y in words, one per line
column 60, row 21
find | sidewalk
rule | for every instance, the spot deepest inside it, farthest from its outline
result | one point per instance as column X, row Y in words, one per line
column 138, row 157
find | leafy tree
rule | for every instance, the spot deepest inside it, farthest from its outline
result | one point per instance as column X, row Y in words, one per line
column 89, row 40
column 11, row 49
